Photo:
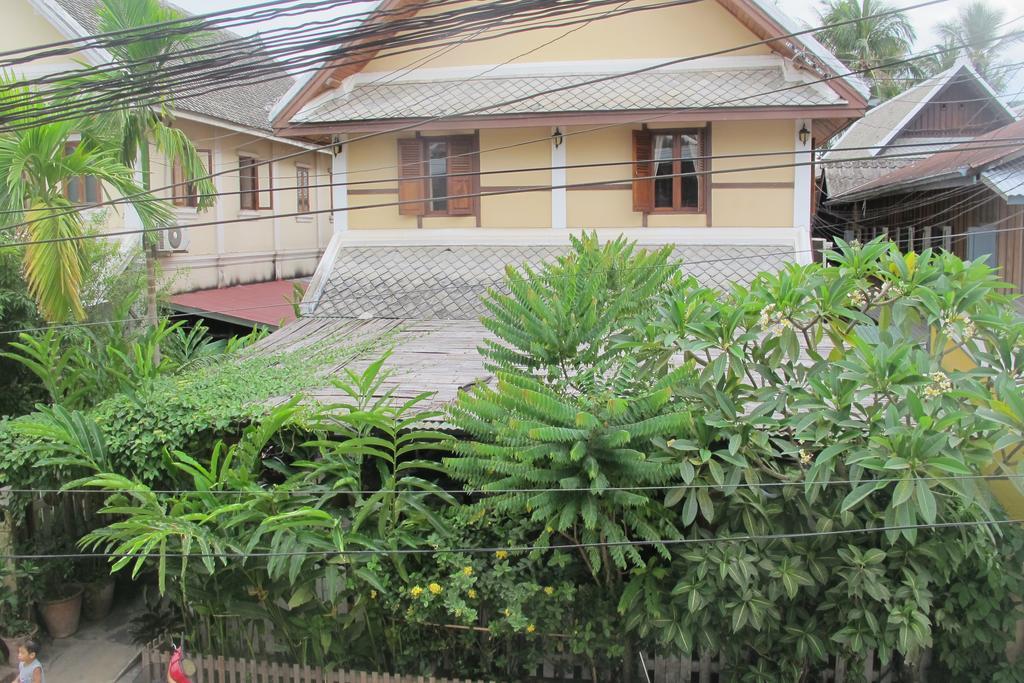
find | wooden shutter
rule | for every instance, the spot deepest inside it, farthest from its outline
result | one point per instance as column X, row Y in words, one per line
column 462, row 161
column 410, row 164
column 643, row 169
column 180, row 191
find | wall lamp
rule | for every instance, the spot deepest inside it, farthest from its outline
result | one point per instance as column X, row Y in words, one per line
column 804, row 135
column 557, row 137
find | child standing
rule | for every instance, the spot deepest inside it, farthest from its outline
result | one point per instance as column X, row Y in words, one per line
column 29, row 668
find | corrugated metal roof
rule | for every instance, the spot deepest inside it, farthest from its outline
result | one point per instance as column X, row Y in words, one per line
column 266, row 303
column 1007, row 180
column 663, row 89
column 965, row 159
column 246, row 104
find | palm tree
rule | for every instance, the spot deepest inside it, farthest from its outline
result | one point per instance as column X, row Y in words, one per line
column 142, row 121
column 868, row 42
column 37, row 163
column 977, row 29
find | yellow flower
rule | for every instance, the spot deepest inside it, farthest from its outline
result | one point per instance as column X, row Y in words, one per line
column 508, row 612
column 416, row 591
column 468, row 571
column 471, row 593
column 550, row 530
column 435, row 588
column 531, row 628
column 373, row 595
column 549, row 590
column 501, row 554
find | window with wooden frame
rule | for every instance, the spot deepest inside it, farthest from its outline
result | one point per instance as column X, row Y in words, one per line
column 667, row 174
column 82, row 190
column 248, row 183
column 439, row 176
column 302, row 189
column 186, row 193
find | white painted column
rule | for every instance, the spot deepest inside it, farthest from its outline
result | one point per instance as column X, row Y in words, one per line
column 218, row 207
column 559, row 208
column 339, row 175
column 277, row 221
column 802, row 184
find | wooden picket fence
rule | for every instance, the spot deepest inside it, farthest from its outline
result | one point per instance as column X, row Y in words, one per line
column 236, row 670
column 211, row 669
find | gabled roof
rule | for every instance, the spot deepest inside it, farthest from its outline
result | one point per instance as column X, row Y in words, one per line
column 984, row 154
column 760, row 16
column 880, row 125
column 247, row 105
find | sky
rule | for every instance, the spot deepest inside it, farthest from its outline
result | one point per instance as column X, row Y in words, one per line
column 923, row 19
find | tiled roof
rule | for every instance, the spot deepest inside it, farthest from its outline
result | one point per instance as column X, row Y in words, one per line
column 663, row 89
column 447, row 282
column 966, row 159
column 848, row 176
column 247, row 104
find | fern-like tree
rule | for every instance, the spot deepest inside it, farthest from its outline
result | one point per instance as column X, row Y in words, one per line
column 36, row 168
column 575, row 413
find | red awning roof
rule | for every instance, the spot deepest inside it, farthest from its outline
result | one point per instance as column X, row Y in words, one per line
column 262, row 303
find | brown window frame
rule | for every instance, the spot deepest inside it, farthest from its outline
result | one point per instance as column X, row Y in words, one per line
column 248, row 168
column 190, row 197
column 302, row 189
column 677, row 180
column 83, row 181
column 461, row 176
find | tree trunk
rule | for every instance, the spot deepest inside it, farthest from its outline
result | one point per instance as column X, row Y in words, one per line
column 149, row 249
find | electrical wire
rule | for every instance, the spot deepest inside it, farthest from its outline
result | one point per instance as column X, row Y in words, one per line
column 507, row 491
column 518, row 549
column 471, row 195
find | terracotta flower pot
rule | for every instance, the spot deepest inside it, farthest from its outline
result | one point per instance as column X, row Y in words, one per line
column 12, row 643
column 61, row 616
column 98, row 599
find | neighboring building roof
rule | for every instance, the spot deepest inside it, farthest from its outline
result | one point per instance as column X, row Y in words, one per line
column 247, row 104
column 1007, row 181
column 844, row 177
column 880, row 125
column 653, row 90
column 761, row 16
column 956, row 165
column 243, row 304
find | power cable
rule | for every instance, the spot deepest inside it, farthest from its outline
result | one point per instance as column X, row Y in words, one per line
column 490, row 550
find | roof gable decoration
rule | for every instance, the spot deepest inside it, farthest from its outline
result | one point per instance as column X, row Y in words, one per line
column 761, row 16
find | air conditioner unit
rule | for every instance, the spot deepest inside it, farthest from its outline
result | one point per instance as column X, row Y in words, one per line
column 172, row 240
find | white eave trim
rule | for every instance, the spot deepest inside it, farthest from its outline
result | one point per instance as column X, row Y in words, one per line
column 812, row 44
column 713, row 236
column 68, row 27
column 255, row 132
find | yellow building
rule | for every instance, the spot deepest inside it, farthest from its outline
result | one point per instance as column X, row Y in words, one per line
column 288, row 200
column 694, row 119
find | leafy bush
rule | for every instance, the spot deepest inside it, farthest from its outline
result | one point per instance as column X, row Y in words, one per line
column 784, row 475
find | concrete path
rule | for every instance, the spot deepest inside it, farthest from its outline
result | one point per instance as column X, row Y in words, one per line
column 99, row 653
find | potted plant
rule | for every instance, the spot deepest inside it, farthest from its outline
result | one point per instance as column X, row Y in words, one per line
column 61, row 600
column 16, row 593
column 98, row 596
